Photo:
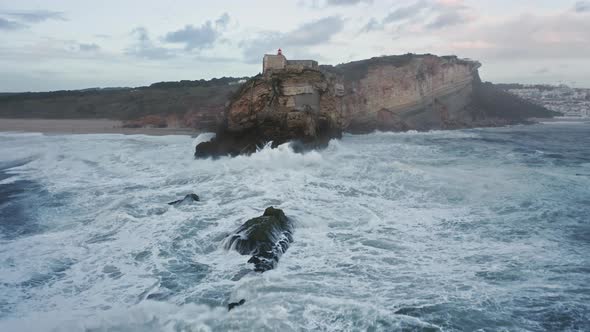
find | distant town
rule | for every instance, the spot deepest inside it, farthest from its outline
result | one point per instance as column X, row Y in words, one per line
column 571, row 102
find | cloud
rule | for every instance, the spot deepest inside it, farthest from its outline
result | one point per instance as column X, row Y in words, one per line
column 88, row 47
column 309, row 34
column 407, row 12
column 315, row 32
column 10, row 25
column 34, row 16
column 345, row 2
column 541, row 71
column 15, row 20
column 223, row 20
column 447, row 19
column 145, row 48
column 423, row 15
column 552, row 36
column 201, row 37
column 372, row 25
column 582, row 6
column 322, row 4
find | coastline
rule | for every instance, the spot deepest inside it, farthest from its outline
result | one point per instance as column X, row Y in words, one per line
column 107, row 126
column 85, row 126
column 562, row 119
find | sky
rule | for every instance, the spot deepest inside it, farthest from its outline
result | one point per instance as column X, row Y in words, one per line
column 76, row 44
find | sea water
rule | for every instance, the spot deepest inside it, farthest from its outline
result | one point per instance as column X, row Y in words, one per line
column 483, row 229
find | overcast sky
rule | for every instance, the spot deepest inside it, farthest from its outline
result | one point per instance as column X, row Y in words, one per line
column 72, row 44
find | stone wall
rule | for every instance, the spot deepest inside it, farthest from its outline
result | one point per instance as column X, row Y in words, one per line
column 273, row 62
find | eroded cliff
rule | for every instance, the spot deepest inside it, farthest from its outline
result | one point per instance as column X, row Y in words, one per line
column 292, row 104
column 421, row 92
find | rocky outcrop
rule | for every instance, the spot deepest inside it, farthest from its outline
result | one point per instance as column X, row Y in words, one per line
column 407, row 92
column 281, row 106
column 266, row 238
column 190, row 198
column 232, row 305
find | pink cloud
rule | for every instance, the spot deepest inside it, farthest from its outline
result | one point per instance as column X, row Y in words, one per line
column 471, row 45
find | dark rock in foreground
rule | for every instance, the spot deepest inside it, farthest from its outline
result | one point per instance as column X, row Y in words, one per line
column 190, row 198
column 232, row 144
column 266, row 238
column 235, row 304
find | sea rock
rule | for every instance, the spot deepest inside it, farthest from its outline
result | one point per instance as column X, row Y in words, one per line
column 190, row 198
column 232, row 305
column 266, row 238
column 278, row 107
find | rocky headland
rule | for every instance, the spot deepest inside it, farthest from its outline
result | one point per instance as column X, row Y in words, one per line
column 297, row 101
column 279, row 106
column 310, row 105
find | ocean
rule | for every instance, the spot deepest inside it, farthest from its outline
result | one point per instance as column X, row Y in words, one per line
column 467, row 230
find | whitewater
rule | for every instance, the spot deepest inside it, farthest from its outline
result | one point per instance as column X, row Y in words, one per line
column 480, row 229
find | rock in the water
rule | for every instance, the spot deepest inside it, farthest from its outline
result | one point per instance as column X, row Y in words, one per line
column 187, row 199
column 278, row 107
column 266, row 238
column 235, row 304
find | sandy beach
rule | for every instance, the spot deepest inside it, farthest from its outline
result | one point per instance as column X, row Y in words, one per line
column 85, row 126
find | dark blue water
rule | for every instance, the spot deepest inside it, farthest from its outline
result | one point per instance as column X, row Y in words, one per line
column 16, row 204
column 471, row 230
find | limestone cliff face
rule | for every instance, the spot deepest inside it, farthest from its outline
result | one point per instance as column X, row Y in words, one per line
column 406, row 92
column 420, row 92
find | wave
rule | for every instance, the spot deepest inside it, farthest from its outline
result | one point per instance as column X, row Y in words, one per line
column 464, row 133
column 20, row 134
column 203, row 137
column 572, row 122
column 385, row 223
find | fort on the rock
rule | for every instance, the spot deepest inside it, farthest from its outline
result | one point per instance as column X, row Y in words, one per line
column 278, row 62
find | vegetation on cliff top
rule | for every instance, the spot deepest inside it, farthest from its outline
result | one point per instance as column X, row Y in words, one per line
column 206, row 98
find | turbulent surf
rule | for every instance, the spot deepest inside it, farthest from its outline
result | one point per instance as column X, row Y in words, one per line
column 446, row 230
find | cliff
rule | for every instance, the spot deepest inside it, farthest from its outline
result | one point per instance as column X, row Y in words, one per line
column 422, row 92
column 407, row 92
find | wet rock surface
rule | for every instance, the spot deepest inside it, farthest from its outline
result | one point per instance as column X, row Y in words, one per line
column 232, row 305
column 188, row 199
column 266, row 238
